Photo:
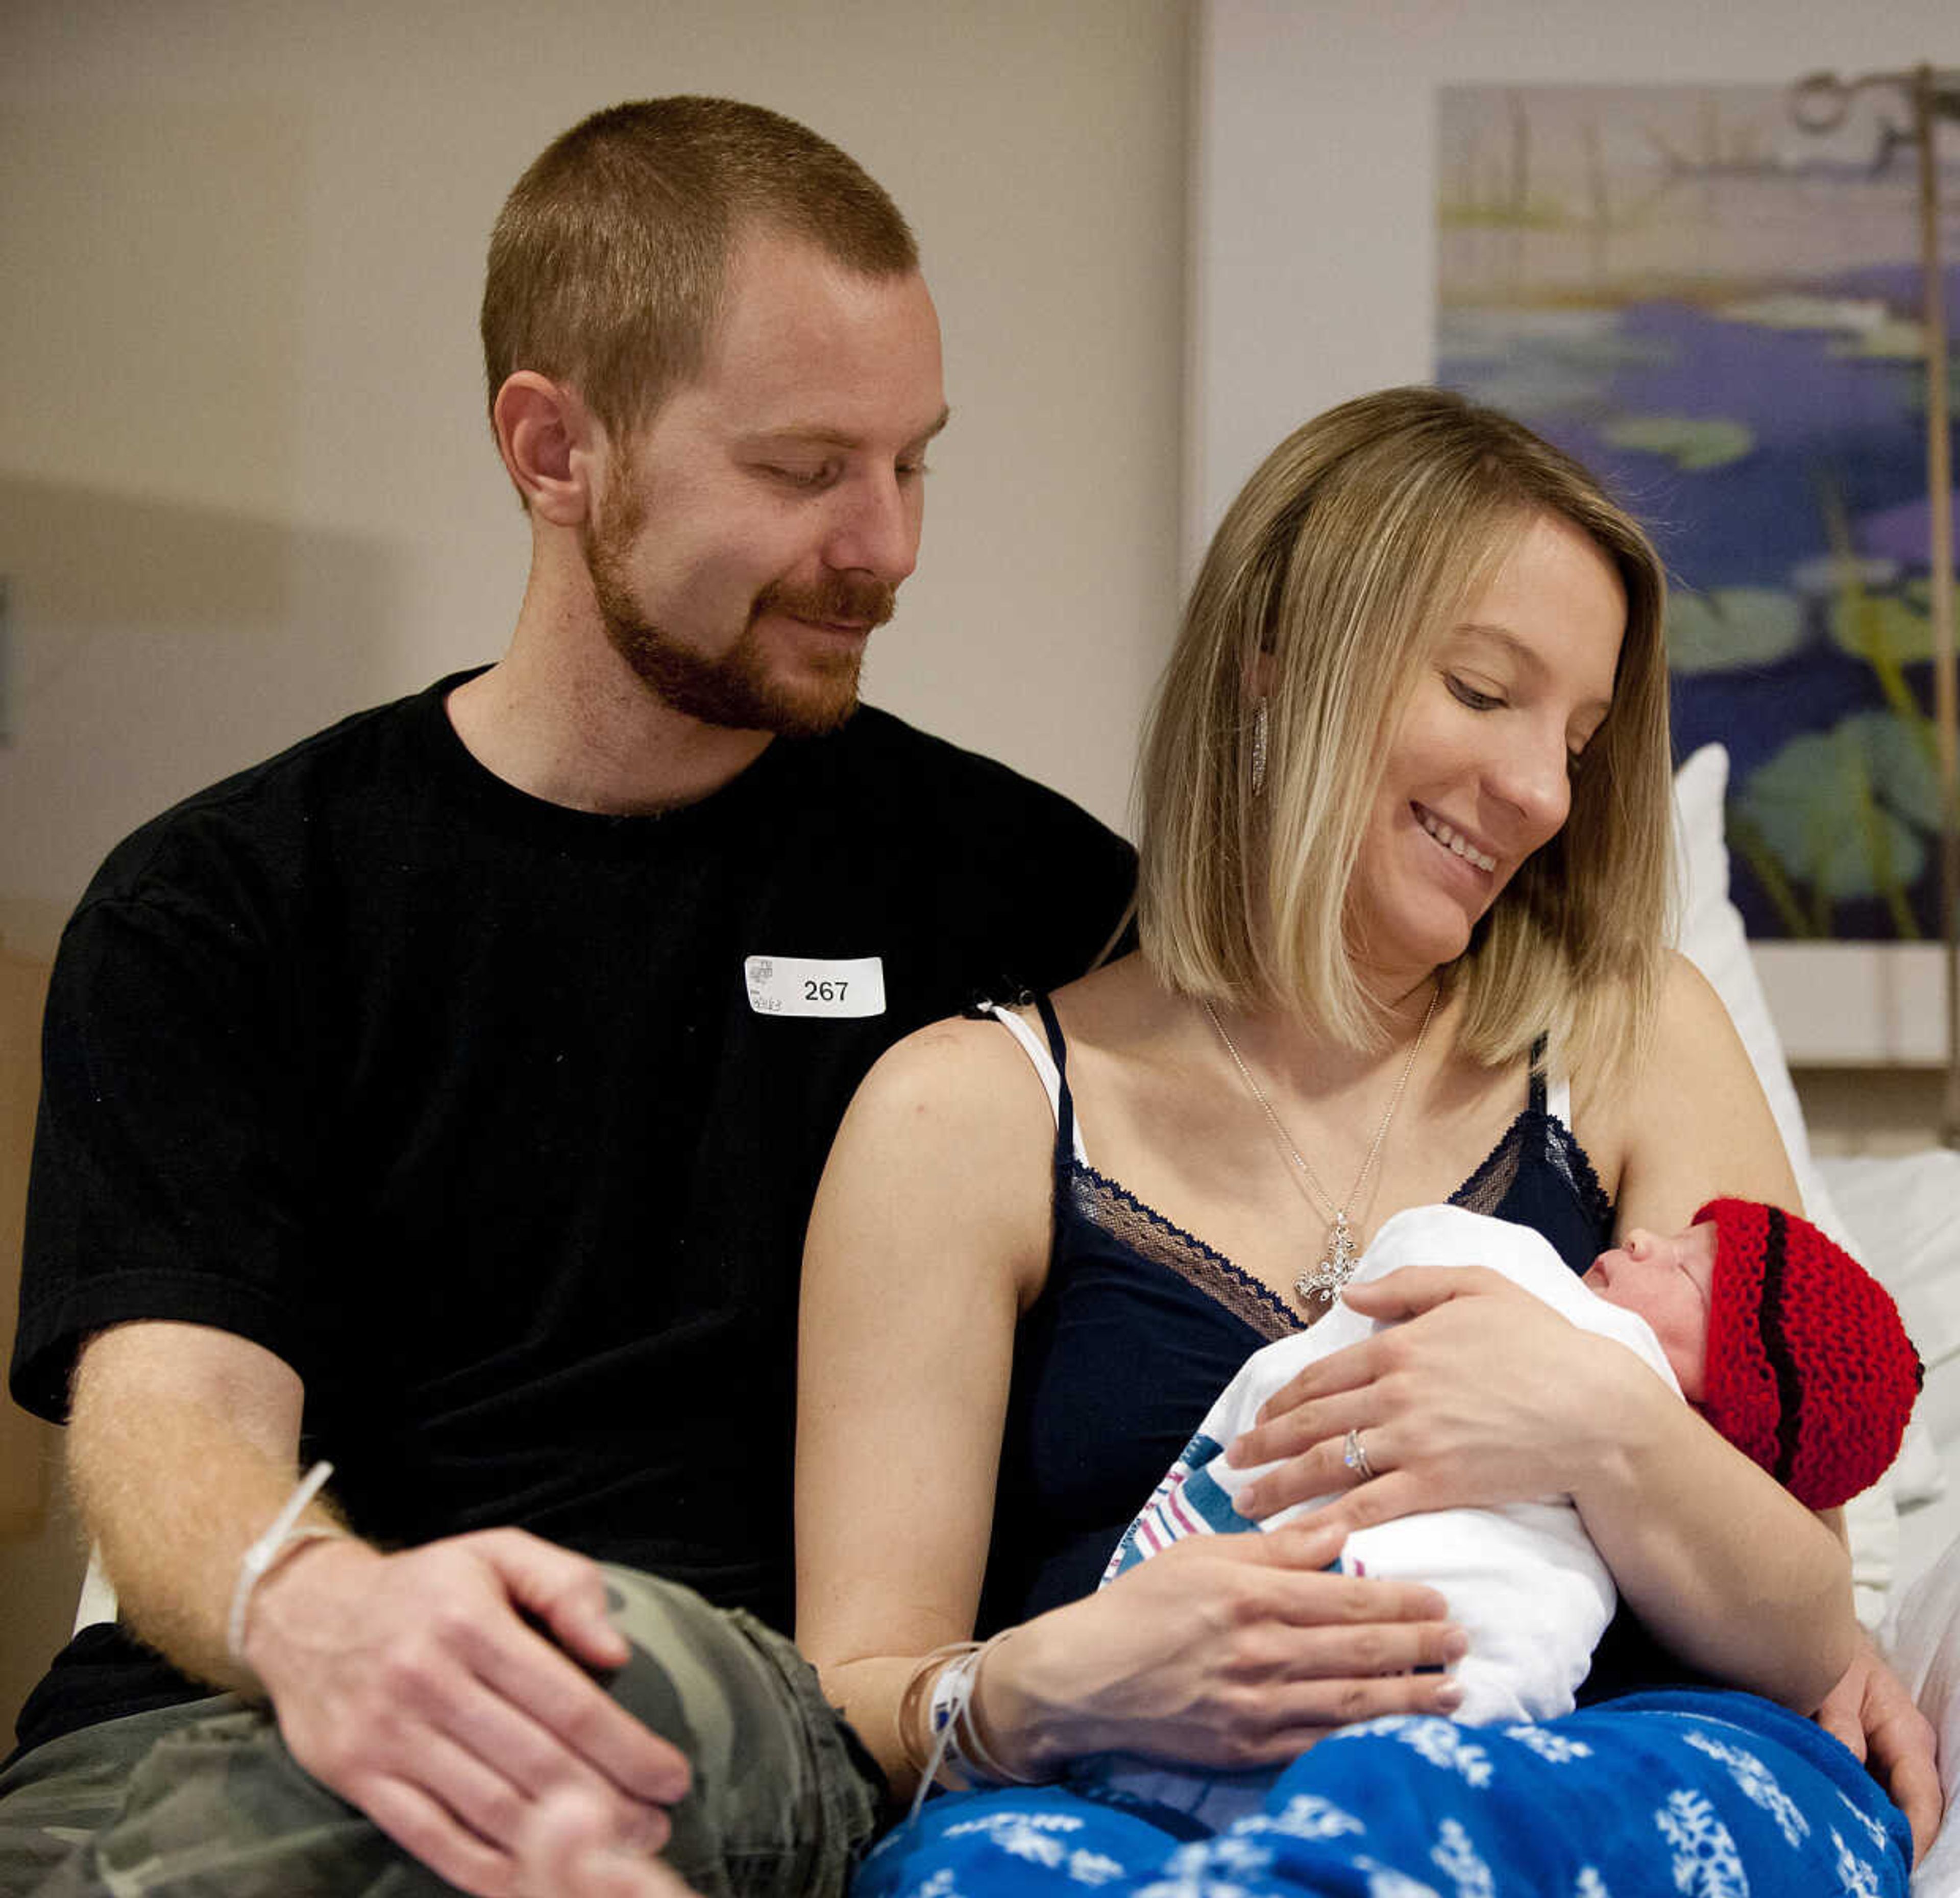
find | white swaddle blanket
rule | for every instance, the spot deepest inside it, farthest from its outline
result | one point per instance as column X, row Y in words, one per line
column 1523, row 1581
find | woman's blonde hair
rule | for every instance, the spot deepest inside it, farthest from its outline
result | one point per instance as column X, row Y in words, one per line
column 1356, row 546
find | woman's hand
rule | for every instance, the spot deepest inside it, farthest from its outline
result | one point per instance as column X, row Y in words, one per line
column 1871, row 1711
column 1487, row 1396
column 1222, row 1651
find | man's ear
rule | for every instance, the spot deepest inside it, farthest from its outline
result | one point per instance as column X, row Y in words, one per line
column 551, row 446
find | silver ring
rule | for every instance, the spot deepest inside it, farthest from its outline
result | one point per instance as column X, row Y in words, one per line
column 1356, row 1457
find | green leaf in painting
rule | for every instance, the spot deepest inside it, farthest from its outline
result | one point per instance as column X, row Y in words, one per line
column 1881, row 628
column 1731, row 626
column 1847, row 812
column 1692, row 442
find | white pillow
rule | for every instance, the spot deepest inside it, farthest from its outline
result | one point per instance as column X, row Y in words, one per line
column 1926, row 1650
column 1907, row 1205
column 1711, row 935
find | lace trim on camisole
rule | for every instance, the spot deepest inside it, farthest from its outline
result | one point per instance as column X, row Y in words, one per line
column 1112, row 1207
column 1540, row 1130
column 1108, row 1204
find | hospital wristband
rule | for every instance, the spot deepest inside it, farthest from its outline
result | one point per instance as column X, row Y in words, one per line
column 961, row 1748
column 283, row 1534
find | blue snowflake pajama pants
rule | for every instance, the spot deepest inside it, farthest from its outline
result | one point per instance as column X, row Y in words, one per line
column 1679, row 1795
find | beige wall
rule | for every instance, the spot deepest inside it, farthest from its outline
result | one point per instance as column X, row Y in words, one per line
column 1874, row 1110
column 245, row 481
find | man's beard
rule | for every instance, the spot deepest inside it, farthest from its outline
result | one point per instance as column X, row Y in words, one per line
column 737, row 689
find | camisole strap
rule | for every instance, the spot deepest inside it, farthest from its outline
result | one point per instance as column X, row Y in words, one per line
column 1558, row 1101
column 1554, row 1096
column 1049, row 1060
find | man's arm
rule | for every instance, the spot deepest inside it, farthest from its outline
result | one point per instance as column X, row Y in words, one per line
column 442, row 1689
column 153, row 1403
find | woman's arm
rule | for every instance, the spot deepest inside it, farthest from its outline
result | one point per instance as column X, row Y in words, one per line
column 1732, row 1551
column 1868, row 1708
column 1488, row 1397
column 929, row 1236
column 929, row 1230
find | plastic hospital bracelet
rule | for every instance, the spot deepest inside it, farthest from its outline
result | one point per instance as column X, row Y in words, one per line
column 958, row 1748
column 254, row 1563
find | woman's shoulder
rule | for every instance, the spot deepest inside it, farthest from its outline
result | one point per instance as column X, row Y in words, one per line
column 949, row 1136
column 1690, row 1043
column 1683, row 1041
column 1686, row 1118
column 947, row 1068
column 945, row 1062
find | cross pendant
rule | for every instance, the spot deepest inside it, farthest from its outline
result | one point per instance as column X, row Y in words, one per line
column 1335, row 1269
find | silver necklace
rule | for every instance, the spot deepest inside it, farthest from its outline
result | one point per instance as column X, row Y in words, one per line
column 1337, row 1262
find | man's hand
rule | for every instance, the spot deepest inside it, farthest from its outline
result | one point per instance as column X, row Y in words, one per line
column 444, row 1692
column 565, row 1851
column 1871, row 1711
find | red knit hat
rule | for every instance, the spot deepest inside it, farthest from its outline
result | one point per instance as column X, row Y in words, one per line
column 1810, row 1371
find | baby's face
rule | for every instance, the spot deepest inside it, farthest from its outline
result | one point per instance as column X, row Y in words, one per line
column 1669, row 1279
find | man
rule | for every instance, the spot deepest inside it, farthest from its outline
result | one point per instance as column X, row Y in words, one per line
column 445, row 1097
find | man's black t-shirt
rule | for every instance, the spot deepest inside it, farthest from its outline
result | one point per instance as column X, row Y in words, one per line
column 500, row 1122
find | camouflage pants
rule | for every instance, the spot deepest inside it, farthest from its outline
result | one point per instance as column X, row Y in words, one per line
column 204, row 1801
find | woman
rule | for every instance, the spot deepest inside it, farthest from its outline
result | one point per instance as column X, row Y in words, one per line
column 1404, row 877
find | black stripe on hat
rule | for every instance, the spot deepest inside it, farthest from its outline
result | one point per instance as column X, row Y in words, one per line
column 1776, row 1345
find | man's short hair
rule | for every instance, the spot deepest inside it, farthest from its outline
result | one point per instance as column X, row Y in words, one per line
column 608, row 260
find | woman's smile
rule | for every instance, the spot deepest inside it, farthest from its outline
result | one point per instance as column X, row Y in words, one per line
column 1478, row 770
column 1453, row 840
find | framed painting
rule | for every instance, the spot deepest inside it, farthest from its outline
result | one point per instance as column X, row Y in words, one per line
column 1719, row 310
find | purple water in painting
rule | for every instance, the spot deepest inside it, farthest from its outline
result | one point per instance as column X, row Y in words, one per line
column 1831, row 433
column 1903, row 533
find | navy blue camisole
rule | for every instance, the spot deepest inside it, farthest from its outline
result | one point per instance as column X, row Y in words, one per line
column 1141, row 1324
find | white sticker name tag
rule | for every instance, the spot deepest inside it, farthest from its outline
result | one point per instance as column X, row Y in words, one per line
column 815, row 985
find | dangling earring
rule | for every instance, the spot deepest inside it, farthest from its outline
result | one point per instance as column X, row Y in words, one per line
column 1259, row 747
